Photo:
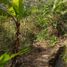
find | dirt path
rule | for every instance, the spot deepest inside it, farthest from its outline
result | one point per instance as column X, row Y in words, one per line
column 40, row 56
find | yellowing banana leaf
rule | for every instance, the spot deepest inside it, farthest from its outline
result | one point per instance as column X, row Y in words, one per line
column 18, row 8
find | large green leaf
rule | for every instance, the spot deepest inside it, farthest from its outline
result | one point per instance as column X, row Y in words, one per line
column 6, row 57
column 18, row 8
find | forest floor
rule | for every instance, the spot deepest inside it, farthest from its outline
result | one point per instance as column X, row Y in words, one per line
column 41, row 55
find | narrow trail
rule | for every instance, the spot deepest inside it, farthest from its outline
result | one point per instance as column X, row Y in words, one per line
column 37, row 58
column 40, row 57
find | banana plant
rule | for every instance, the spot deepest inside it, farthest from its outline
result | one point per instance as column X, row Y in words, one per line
column 17, row 11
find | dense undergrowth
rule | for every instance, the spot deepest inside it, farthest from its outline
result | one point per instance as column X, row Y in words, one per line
column 38, row 22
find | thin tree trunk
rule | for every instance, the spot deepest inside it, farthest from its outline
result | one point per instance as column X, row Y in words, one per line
column 16, row 45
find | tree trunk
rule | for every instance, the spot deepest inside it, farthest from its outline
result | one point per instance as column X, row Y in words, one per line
column 16, row 45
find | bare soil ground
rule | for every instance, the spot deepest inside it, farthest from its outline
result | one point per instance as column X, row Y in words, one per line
column 41, row 55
